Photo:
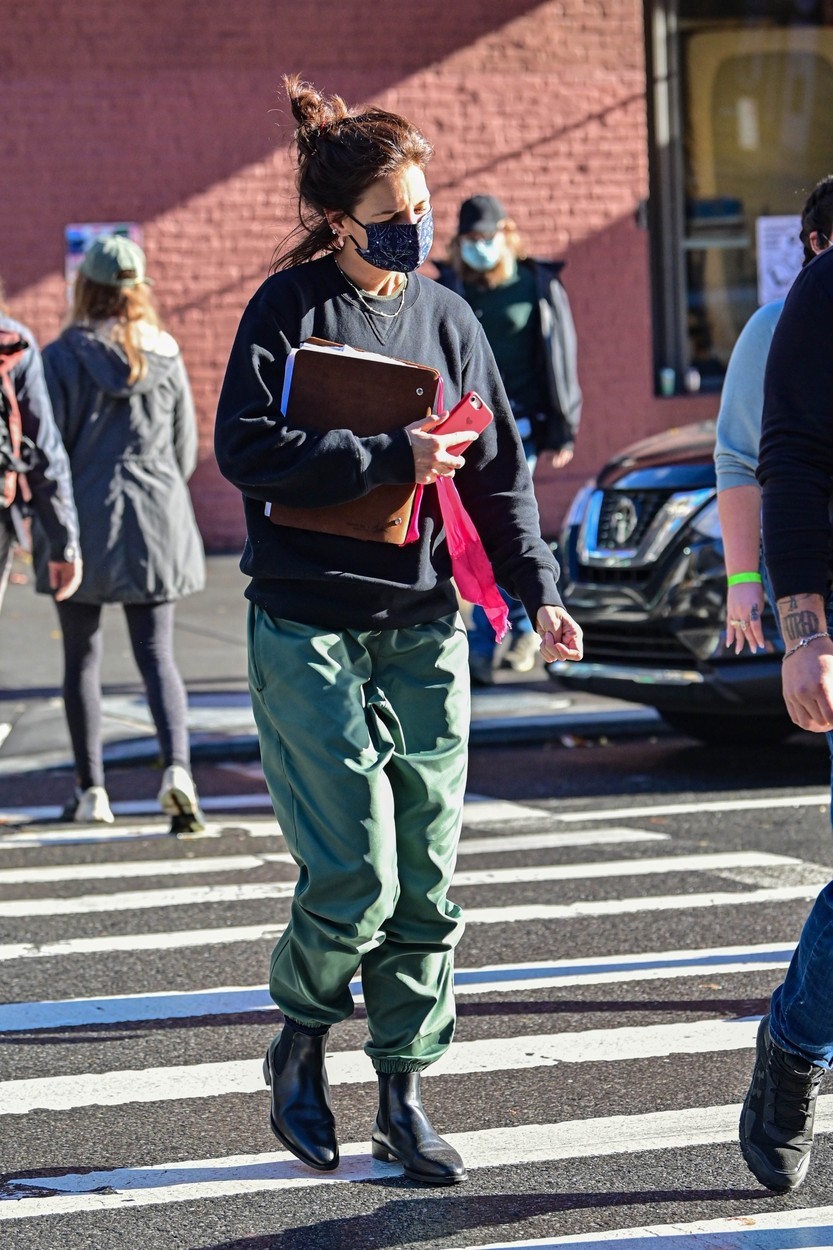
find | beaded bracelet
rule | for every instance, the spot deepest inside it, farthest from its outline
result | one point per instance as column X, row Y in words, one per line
column 802, row 642
column 736, row 579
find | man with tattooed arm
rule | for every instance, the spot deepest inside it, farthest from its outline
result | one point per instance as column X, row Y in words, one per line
column 795, row 1040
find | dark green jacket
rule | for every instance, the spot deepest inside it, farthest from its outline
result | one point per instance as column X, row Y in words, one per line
column 558, row 426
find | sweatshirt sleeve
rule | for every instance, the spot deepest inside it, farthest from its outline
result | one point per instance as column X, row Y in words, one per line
column 265, row 457
column 496, row 488
column 562, row 427
column 796, row 454
column 742, row 401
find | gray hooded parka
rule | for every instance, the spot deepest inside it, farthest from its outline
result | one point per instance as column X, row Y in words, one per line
column 132, row 448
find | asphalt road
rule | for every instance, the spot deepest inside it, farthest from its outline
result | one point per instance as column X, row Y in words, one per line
column 631, row 905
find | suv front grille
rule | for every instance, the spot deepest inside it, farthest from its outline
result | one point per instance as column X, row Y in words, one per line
column 611, row 535
column 602, row 576
column 610, row 643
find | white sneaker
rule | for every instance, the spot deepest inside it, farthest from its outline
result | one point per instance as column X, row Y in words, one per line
column 178, row 799
column 90, row 807
column 524, row 655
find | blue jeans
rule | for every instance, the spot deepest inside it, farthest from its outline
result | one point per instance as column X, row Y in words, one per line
column 481, row 633
column 801, row 1010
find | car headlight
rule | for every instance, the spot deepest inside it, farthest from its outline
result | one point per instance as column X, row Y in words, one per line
column 707, row 644
column 577, row 509
column 707, row 523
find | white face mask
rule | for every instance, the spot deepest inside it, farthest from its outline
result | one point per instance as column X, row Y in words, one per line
column 482, row 254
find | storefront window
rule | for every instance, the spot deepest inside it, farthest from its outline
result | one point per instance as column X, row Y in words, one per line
column 748, row 88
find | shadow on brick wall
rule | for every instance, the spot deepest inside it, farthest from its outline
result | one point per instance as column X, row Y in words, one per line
column 107, row 119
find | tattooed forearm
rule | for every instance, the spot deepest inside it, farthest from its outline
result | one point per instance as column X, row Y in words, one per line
column 801, row 615
column 800, row 625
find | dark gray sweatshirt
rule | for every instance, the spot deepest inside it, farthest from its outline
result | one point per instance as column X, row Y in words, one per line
column 334, row 582
column 131, row 448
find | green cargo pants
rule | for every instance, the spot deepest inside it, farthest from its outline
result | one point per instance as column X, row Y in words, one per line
column 364, row 738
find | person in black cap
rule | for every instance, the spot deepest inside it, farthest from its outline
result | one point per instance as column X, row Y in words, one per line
column 524, row 311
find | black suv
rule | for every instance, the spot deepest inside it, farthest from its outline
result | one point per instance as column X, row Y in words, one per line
column 643, row 574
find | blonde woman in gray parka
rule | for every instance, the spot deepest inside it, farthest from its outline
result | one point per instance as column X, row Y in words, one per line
column 123, row 405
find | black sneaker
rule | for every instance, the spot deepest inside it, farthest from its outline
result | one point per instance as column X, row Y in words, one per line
column 776, row 1123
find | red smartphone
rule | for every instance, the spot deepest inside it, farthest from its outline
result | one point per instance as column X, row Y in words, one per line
column 472, row 413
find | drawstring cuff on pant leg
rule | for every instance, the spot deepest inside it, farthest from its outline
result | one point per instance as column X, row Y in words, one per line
column 309, row 1030
column 399, row 1065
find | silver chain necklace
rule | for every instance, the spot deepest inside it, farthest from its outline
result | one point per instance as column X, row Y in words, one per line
column 369, row 307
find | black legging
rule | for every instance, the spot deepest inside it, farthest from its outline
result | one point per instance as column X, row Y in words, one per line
column 151, row 628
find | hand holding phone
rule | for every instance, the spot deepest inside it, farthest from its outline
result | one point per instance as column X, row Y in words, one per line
column 472, row 413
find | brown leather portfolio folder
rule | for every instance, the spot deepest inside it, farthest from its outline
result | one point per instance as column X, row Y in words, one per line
column 367, row 394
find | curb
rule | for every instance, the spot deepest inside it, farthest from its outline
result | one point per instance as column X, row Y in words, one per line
column 485, row 731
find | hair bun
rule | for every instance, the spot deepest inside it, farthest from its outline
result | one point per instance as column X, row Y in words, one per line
column 312, row 111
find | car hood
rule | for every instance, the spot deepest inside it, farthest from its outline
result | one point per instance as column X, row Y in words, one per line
column 682, row 456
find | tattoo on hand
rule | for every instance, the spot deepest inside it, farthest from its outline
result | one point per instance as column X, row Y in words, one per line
column 754, row 615
column 800, row 624
column 793, row 604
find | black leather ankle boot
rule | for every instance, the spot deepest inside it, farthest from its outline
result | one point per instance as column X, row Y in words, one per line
column 403, row 1132
column 302, row 1117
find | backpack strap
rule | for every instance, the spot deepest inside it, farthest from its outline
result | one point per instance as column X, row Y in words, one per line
column 12, row 350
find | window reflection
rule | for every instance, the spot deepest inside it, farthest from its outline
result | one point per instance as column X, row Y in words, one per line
column 757, row 86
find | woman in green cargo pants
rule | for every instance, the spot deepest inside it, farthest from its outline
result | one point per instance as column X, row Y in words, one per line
column 358, row 658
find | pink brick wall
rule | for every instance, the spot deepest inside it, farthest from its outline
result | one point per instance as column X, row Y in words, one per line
column 175, row 118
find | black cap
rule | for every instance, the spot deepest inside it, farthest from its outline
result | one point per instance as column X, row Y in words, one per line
column 481, row 213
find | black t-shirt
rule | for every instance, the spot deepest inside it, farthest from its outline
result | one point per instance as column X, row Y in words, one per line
column 335, row 582
column 796, row 452
column 509, row 316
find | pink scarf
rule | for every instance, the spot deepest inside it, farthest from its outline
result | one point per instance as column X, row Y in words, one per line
column 470, row 565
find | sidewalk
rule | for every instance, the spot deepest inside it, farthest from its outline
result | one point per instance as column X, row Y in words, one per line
column 211, row 652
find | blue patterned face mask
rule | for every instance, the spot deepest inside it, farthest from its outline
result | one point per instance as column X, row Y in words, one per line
column 396, row 246
column 482, row 254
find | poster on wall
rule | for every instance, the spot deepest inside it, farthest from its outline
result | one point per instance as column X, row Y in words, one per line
column 79, row 235
column 780, row 253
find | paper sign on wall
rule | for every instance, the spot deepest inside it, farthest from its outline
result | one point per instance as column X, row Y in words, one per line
column 780, row 253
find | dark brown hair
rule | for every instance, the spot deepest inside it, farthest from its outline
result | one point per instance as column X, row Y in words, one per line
column 340, row 152
column 817, row 215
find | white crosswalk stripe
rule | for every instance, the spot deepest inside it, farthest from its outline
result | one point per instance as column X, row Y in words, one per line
column 124, row 871
column 188, row 1055
column 243, row 1076
column 191, row 896
column 195, row 1179
column 195, row 866
column 494, row 979
column 478, row 810
column 641, row 903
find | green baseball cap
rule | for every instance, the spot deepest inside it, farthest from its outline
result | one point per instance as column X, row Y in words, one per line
column 114, row 260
